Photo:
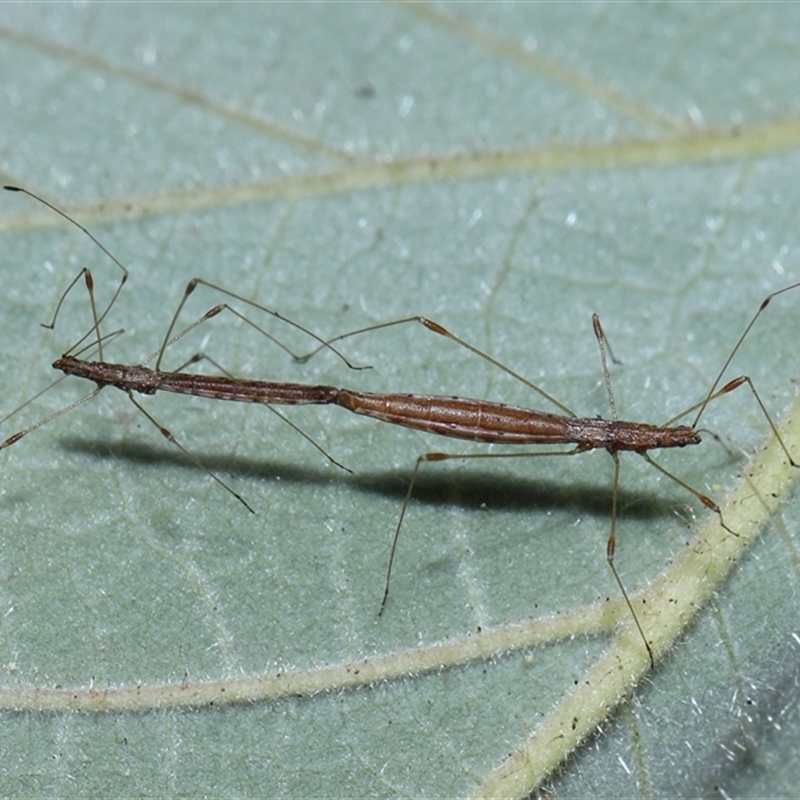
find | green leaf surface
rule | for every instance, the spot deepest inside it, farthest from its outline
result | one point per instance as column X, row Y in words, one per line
column 506, row 170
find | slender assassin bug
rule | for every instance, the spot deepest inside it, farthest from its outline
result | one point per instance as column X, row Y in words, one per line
column 454, row 417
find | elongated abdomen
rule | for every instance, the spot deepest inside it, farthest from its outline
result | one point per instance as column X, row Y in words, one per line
column 460, row 417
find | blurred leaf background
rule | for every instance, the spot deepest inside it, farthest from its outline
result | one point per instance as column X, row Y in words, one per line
column 504, row 169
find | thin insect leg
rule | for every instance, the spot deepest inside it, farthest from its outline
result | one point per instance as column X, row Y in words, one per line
column 167, row 434
column 197, row 357
column 199, row 321
column 435, row 327
column 85, row 273
column 764, row 303
column 212, row 312
column 89, row 282
column 704, row 499
column 607, row 343
column 745, row 379
column 195, row 282
column 31, row 399
column 602, row 343
column 726, row 389
column 19, row 434
column 368, row 329
column 104, row 339
column 428, row 457
column 420, row 459
column 611, row 546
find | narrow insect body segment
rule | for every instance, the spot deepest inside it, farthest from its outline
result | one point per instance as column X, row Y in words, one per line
column 460, row 417
column 616, row 435
column 498, row 423
column 137, row 378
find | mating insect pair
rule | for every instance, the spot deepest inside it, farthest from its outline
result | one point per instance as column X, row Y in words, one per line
column 454, row 417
